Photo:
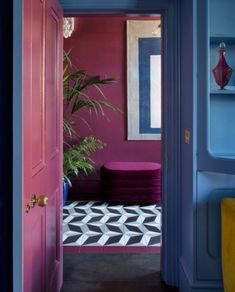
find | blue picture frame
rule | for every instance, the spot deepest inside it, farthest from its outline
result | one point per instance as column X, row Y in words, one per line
column 144, row 79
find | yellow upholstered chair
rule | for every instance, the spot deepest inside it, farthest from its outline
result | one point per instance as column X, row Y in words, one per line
column 228, row 243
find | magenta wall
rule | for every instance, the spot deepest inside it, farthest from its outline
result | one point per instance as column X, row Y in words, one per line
column 99, row 46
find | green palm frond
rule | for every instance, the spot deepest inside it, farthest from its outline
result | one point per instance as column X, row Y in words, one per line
column 77, row 96
column 68, row 127
column 77, row 158
column 76, row 84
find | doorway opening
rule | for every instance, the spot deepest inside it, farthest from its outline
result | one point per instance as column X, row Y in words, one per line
column 117, row 207
column 170, row 264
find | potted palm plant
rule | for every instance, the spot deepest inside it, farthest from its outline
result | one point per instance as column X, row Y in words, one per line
column 77, row 150
column 78, row 161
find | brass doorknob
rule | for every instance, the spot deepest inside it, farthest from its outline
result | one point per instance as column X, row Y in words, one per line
column 42, row 201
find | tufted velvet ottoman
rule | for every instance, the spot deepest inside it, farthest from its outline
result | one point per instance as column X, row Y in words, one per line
column 131, row 182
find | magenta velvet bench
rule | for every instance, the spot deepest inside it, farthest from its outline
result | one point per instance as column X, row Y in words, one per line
column 131, row 182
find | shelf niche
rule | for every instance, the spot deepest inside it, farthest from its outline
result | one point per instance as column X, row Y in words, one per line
column 222, row 125
column 221, row 109
column 230, row 58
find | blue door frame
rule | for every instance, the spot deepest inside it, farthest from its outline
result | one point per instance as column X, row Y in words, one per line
column 171, row 105
column 171, row 122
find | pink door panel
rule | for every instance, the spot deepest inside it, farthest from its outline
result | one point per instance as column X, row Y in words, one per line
column 42, row 137
column 54, row 106
column 38, row 95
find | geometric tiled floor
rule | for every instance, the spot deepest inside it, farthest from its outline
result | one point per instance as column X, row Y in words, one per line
column 99, row 224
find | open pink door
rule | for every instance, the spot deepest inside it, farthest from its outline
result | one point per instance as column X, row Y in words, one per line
column 42, row 149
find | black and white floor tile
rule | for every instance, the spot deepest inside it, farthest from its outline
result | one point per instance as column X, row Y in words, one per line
column 100, row 224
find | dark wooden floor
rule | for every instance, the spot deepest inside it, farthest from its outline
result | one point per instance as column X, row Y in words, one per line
column 113, row 272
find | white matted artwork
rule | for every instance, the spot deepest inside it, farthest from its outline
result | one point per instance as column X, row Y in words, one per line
column 144, row 80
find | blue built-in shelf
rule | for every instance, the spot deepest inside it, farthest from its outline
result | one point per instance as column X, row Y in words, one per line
column 222, row 102
column 215, row 39
column 224, row 156
column 224, row 91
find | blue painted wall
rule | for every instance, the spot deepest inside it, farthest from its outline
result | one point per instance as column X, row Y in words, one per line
column 6, row 145
column 210, row 159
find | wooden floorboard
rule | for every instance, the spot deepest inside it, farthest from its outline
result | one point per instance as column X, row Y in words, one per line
column 113, row 272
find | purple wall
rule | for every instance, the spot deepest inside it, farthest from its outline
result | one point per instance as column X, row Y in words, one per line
column 99, row 46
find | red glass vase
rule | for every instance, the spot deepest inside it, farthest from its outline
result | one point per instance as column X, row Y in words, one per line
column 222, row 72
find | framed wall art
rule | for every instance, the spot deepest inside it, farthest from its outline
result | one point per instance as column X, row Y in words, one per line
column 144, row 79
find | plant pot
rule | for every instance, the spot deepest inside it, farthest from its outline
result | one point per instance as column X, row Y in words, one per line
column 65, row 192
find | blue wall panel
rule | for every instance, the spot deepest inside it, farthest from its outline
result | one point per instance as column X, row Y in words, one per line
column 222, row 17
column 212, row 187
column 222, row 133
